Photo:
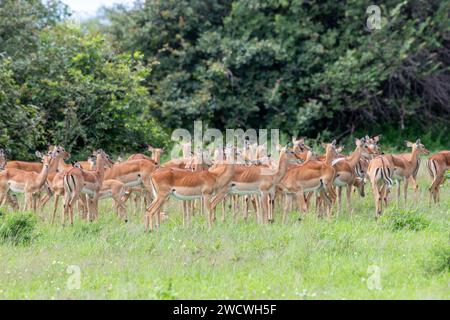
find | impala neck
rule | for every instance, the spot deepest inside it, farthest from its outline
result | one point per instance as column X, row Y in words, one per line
column 225, row 176
column 282, row 167
column 100, row 170
column 355, row 157
column 42, row 176
column 414, row 156
column 329, row 155
column 54, row 164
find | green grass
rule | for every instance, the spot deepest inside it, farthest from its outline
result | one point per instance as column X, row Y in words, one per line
column 311, row 259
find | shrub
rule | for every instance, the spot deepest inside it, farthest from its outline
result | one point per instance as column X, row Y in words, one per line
column 400, row 219
column 17, row 228
column 439, row 259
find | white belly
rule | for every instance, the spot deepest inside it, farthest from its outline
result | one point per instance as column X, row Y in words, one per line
column 180, row 196
column 16, row 187
column 339, row 183
column 134, row 183
column 88, row 191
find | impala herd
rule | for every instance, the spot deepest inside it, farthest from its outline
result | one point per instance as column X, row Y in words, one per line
column 202, row 182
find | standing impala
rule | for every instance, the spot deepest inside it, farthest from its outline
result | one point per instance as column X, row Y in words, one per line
column 405, row 169
column 260, row 181
column 77, row 181
column 437, row 166
column 346, row 173
column 115, row 189
column 380, row 174
column 185, row 185
column 27, row 182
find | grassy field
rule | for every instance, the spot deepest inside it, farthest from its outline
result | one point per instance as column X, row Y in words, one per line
column 405, row 255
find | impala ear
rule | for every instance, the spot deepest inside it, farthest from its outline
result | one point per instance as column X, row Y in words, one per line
column 2, row 152
column 418, row 141
column 408, row 143
column 358, row 142
column 377, row 138
column 294, row 138
column 38, row 154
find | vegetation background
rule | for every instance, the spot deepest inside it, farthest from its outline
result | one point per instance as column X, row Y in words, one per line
column 131, row 75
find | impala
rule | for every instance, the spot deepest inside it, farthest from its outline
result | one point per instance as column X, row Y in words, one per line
column 346, row 175
column 77, row 181
column 437, row 165
column 260, row 181
column 27, row 182
column 115, row 189
column 380, row 175
column 311, row 176
column 405, row 169
column 185, row 185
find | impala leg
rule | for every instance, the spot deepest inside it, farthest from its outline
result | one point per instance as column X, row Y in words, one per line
column 207, row 203
column 265, row 206
column 55, row 207
column 184, row 204
column 405, row 190
column 339, row 196
column 154, row 208
column 300, row 198
column 377, row 198
column 285, row 207
column 349, row 194
column 246, row 205
column 223, row 209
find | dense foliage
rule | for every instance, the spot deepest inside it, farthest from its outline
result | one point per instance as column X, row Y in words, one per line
column 307, row 67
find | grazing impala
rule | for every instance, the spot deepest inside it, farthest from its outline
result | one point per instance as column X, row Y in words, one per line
column 27, row 182
column 437, row 166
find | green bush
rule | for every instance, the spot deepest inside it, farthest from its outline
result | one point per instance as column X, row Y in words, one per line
column 17, row 228
column 401, row 219
column 439, row 260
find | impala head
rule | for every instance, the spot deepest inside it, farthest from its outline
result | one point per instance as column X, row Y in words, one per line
column 76, row 164
column 374, row 148
column 417, row 146
column 156, row 152
column 299, row 145
column 340, row 149
column 46, row 159
column 311, row 155
column 106, row 159
column 61, row 152
column 330, row 148
column 290, row 154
